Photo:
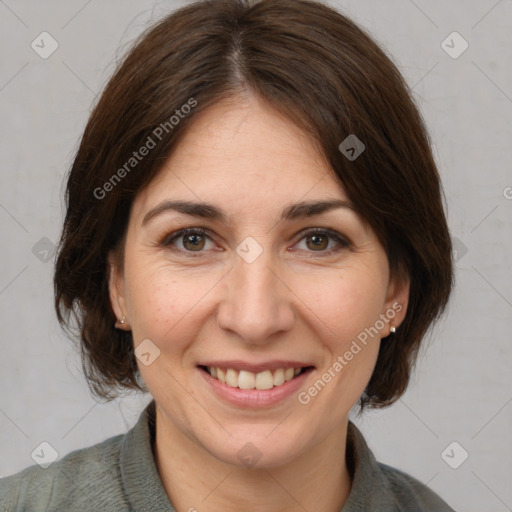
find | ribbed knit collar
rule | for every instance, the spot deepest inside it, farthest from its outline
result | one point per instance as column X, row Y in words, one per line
column 141, row 481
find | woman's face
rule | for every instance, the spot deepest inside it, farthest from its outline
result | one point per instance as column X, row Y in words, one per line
column 254, row 293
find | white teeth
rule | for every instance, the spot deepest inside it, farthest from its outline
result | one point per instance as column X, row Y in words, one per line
column 232, row 378
column 244, row 379
column 278, row 377
column 264, row 380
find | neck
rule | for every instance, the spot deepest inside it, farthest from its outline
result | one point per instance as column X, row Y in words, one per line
column 196, row 481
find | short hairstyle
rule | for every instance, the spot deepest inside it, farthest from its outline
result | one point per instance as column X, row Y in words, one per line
column 323, row 72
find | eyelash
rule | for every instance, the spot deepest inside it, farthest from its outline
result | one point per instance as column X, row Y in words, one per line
column 342, row 241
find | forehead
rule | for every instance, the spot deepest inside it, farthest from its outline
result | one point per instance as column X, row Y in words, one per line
column 243, row 154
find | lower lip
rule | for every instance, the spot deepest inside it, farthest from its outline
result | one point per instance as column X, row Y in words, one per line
column 255, row 398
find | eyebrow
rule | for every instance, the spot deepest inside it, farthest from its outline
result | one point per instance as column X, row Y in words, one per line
column 210, row 211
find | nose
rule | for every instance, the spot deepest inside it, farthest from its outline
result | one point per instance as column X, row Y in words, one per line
column 257, row 304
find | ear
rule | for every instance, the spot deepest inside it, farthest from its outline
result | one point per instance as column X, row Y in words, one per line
column 397, row 300
column 116, row 289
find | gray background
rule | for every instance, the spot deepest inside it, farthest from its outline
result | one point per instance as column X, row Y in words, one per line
column 461, row 390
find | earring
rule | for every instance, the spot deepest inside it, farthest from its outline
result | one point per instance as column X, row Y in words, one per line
column 392, row 329
column 121, row 324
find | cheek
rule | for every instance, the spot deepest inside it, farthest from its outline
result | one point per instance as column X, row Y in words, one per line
column 346, row 310
column 165, row 304
column 344, row 303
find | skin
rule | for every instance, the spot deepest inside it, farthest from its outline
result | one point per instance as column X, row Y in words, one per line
column 293, row 303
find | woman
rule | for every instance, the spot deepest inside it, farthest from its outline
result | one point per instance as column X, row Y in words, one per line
column 255, row 235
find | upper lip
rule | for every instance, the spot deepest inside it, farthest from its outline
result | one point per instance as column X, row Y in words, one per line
column 255, row 368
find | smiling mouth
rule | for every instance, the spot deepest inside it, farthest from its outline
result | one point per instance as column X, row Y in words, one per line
column 243, row 379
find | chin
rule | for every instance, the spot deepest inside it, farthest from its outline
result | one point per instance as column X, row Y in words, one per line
column 259, row 447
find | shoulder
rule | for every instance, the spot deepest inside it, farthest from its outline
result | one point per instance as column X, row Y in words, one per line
column 377, row 486
column 85, row 479
column 410, row 494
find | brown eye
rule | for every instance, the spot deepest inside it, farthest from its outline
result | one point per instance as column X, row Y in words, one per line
column 193, row 242
column 317, row 242
column 188, row 240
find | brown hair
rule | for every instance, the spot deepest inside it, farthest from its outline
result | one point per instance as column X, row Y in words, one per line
column 310, row 63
